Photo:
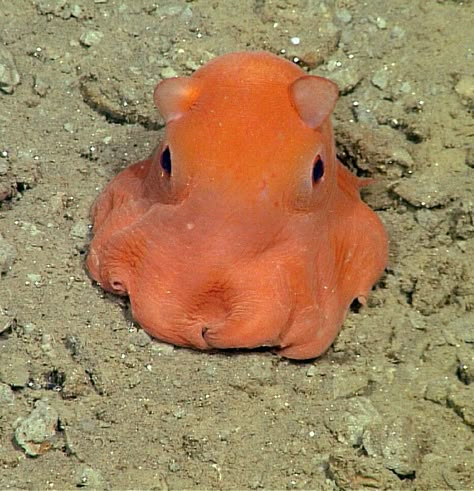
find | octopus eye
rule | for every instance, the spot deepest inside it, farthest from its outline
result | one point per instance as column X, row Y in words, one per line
column 318, row 169
column 165, row 161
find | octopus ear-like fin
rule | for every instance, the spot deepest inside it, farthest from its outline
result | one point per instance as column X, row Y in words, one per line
column 314, row 98
column 174, row 96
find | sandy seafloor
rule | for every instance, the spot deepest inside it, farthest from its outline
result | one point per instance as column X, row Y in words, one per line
column 390, row 406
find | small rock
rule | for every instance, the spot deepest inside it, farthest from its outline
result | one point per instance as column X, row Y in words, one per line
column 168, row 72
column 351, row 419
column 470, row 156
column 28, row 329
column 7, row 255
column 402, row 157
column 51, row 7
column 465, row 89
column 380, row 22
column 46, row 343
column 380, row 79
column 58, row 202
column 462, row 327
column 423, row 190
column 394, row 441
column 163, row 348
column 173, row 466
column 349, row 471
column 34, row 278
column 88, row 477
column 344, row 15
column 75, row 385
column 311, row 59
column 437, row 391
column 15, row 372
column 179, row 413
column 40, row 87
column 7, row 396
column 76, row 11
column 397, row 33
column 140, row 338
column 80, row 230
column 312, row 371
column 427, row 219
column 262, row 372
column 465, row 369
column 9, row 76
column 7, row 321
column 35, row 433
column 90, row 38
column 405, row 88
column 346, row 78
column 462, row 401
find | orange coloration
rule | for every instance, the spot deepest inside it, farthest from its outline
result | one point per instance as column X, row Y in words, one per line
column 243, row 230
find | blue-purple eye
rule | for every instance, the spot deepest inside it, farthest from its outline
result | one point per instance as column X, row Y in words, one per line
column 165, row 160
column 318, row 169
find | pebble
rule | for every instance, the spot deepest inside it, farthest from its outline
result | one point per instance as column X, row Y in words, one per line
column 47, row 343
column 76, row 11
column 394, row 441
column 346, row 78
column 168, row 72
column 35, row 433
column 465, row 369
column 262, row 372
column 40, row 87
column 463, row 327
column 174, row 466
column 350, row 420
column 380, row 22
column 405, row 87
column 162, row 348
column 29, row 328
column 34, row 278
column 51, row 7
column 88, row 477
column 429, row 187
column 427, row 219
column 465, row 89
column 470, row 156
column 80, row 230
column 7, row 396
column 140, row 338
column 344, row 15
column 398, row 34
column 7, row 255
column 380, row 79
column 6, row 322
column 15, row 372
column 9, row 76
column 402, row 157
column 462, row 401
column 421, row 191
column 90, row 38
column 437, row 391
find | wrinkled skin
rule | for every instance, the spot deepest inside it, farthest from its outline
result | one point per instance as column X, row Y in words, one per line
column 243, row 230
